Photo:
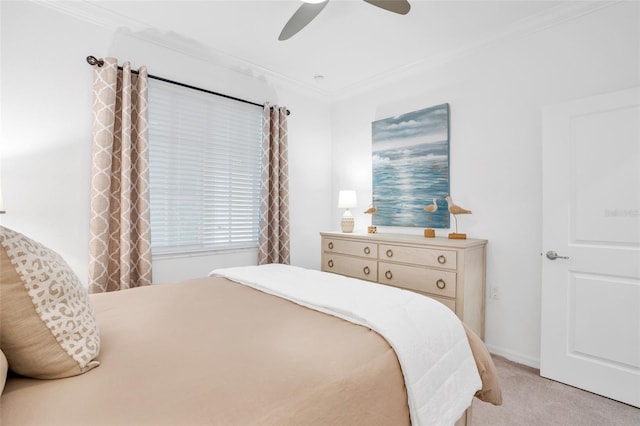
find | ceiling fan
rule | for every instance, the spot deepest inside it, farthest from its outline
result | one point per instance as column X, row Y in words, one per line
column 311, row 8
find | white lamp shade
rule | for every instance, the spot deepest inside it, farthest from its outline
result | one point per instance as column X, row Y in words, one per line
column 347, row 199
column 1, row 202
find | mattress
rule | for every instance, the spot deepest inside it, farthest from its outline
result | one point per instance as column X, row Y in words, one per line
column 212, row 351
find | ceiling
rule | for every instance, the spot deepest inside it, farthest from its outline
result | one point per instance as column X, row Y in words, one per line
column 351, row 43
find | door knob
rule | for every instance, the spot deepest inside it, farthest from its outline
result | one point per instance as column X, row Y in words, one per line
column 552, row 255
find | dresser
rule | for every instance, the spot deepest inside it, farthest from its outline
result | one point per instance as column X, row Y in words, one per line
column 449, row 271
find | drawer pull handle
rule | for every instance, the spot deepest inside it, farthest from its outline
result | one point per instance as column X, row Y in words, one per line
column 388, row 274
column 389, row 253
column 331, row 245
column 442, row 260
column 330, row 263
column 366, row 270
column 441, row 284
column 367, row 250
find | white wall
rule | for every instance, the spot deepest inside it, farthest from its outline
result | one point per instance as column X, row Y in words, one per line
column 496, row 95
column 45, row 147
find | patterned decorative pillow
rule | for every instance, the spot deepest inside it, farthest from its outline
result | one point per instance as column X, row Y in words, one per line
column 47, row 325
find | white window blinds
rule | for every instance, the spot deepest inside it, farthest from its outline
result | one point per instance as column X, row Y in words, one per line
column 204, row 156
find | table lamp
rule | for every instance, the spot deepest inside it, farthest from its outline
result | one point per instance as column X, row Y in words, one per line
column 347, row 200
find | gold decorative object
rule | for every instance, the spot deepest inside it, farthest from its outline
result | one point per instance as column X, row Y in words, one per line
column 371, row 210
column 429, row 232
column 456, row 210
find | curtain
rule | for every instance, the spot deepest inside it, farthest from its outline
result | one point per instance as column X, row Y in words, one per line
column 273, row 246
column 120, row 243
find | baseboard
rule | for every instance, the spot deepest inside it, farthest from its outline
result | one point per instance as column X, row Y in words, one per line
column 515, row 356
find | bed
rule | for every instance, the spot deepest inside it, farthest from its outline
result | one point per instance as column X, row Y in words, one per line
column 224, row 350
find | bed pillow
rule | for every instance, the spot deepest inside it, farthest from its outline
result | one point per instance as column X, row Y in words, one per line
column 4, row 369
column 47, row 323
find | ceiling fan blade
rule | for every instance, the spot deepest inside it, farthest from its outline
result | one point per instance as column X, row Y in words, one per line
column 396, row 6
column 301, row 18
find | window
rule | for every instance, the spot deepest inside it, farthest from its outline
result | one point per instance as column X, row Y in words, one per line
column 204, row 156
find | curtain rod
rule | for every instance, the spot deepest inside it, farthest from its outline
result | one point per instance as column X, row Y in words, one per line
column 92, row 60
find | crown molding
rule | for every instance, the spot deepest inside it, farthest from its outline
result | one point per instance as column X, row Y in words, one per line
column 105, row 18
column 97, row 15
column 565, row 12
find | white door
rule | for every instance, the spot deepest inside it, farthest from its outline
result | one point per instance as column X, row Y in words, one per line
column 590, row 331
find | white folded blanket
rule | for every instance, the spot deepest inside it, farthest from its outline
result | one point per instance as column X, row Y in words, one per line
column 438, row 367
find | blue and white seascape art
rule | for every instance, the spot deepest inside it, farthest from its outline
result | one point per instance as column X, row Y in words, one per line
column 411, row 168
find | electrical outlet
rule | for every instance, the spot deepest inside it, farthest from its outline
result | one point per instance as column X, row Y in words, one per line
column 494, row 293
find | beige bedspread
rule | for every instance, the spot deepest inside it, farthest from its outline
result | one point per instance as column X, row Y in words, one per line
column 210, row 351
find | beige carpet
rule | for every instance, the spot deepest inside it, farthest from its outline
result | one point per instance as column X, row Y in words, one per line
column 532, row 400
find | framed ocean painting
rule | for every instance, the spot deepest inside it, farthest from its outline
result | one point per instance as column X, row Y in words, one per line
column 411, row 168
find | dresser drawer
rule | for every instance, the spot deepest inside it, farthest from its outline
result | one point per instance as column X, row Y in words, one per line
column 355, row 248
column 447, row 270
column 432, row 281
column 421, row 256
column 365, row 269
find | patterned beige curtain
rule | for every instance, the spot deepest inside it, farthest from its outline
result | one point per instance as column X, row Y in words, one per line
column 119, row 246
column 273, row 246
